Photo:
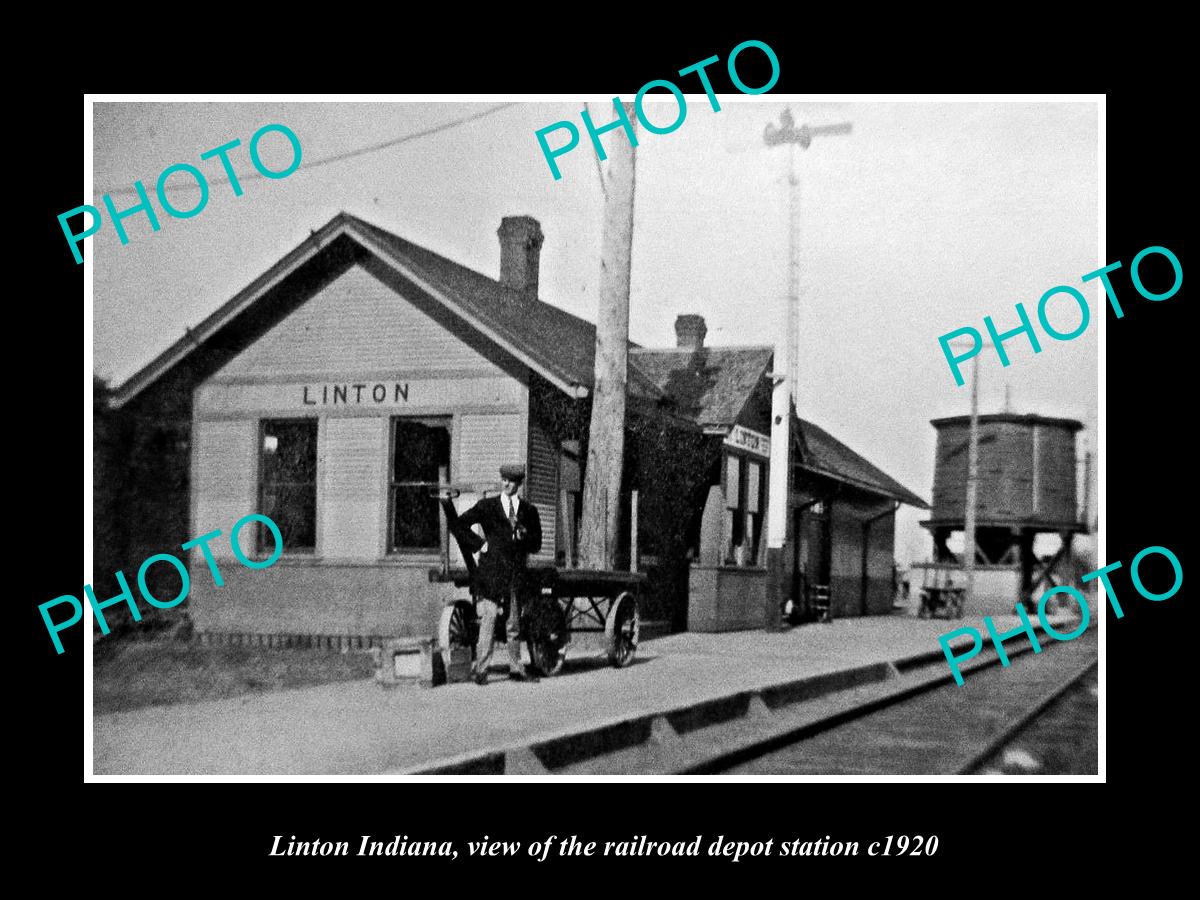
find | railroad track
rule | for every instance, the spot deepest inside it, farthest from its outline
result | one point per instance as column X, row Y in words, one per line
column 911, row 719
column 942, row 729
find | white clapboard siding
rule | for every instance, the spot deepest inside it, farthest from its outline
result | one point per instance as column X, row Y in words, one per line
column 485, row 443
column 355, row 320
column 353, row 488
column 542, row 487
column 225, row 473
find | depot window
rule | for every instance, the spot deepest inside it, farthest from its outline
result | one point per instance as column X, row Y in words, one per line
column 743, row 510
column 420, row 458
column 287, row 483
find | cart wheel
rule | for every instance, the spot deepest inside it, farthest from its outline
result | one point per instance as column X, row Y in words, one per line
column 454, row 631
column 546, row 635
column 547, row 656
column 621, row 629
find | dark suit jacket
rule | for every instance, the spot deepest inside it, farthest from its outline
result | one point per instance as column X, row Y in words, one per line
column 502, row 565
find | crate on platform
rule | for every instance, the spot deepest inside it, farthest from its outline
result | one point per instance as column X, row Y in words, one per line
column 406, row 661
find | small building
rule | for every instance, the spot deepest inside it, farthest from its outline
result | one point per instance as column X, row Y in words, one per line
column 361, row 366
column 842, row 529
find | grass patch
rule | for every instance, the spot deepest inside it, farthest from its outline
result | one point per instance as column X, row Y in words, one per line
column 133, row 674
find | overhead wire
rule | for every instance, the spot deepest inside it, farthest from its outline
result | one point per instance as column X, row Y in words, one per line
column 327, row 160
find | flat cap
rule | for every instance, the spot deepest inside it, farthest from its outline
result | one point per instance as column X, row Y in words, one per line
column 512, row 472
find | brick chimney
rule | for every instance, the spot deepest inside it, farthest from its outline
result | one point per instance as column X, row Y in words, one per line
column 520, row 248
column 690, row 331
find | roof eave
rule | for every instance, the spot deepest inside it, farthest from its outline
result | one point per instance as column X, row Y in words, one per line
column 194, row 337
column 906, row 498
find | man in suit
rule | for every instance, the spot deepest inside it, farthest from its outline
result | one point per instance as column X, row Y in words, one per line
column 512, row 530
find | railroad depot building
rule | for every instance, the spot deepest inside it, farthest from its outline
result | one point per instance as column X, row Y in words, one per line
column 361, row 363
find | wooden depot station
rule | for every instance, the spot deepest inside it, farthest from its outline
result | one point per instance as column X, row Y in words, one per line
column 361, row 363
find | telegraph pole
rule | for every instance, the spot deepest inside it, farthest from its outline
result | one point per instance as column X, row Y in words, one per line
column 606, row 435
column 1085, row 518
column 972, row 498
column 787, row 133
column 972, row 487
column 786, row 369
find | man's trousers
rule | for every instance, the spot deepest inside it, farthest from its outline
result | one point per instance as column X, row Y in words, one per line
column 487, row 611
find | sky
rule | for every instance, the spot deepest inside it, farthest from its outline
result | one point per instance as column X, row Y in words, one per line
column 924, row 219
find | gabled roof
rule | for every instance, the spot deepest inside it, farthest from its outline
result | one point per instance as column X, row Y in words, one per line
column 564, row 343
column 826, row 455
column 710, row 385
column 555, row 344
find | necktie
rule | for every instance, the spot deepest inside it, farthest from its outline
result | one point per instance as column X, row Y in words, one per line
column 512, row 512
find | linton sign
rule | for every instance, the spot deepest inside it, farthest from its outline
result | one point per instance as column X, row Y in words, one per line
column 751, row 441
column 335, row 394
column 218, row 399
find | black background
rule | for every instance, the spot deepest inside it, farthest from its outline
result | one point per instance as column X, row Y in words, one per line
column 997, row 833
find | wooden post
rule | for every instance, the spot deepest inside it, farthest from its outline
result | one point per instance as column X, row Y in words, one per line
column 972, row 489
column 633, row 531
column 1085, row 518
column 606, row 435
column 443, row 525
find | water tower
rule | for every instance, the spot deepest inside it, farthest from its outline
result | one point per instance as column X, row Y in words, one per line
column 1026, row 487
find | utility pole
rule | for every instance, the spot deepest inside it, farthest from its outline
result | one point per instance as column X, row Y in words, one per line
column 787, row 362
column 972, row 499
column 1085, row 517
column 787, row 133
column 972, row 487
column 606, row 436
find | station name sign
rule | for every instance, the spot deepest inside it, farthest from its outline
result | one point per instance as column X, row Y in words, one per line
column 347, row 394
column 366, row 395
column 750, row 441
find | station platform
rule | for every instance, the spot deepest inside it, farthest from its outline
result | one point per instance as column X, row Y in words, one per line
column 362, row 728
